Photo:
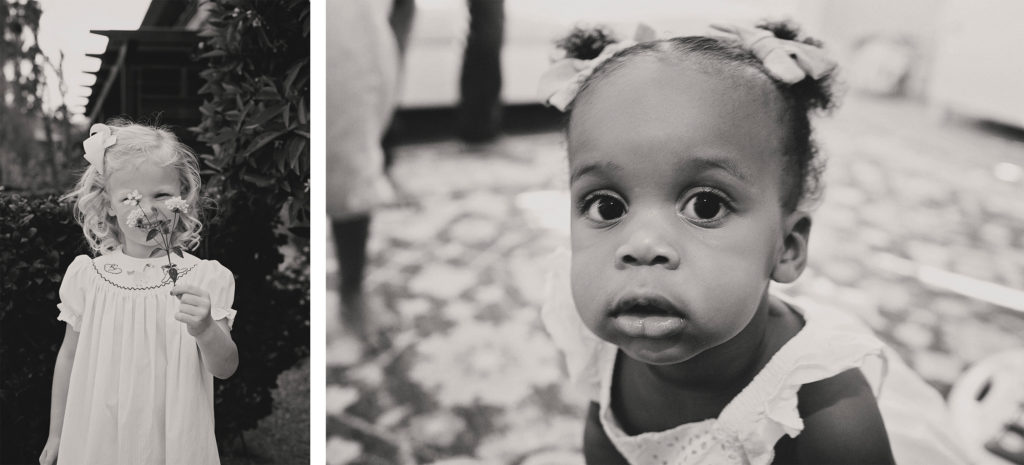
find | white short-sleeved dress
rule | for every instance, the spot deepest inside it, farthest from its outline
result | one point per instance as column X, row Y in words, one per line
column 139, row 392
column 746, row 431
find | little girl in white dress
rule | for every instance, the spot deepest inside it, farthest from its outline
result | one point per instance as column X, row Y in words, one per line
column 148, row 324
column 691, row 163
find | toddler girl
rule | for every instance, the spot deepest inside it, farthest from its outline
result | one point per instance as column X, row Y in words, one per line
column 148, row 324
column 691, row 163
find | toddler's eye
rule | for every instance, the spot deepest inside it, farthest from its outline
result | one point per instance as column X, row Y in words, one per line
column 603, row 207
column 705, row 207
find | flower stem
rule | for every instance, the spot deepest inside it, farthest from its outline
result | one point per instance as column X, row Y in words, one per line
column 167, row 250
column 165, row 238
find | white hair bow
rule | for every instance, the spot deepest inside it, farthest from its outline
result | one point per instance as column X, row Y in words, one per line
column 96, row 145
column 561, row 82
column 787, row 60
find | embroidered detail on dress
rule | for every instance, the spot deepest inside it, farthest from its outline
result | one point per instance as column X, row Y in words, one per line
column 163, row 282
column 112, row 268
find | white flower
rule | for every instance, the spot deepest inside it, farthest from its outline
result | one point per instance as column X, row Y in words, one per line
column 176, row 205
column 474, row 361
column 136, row 218
column 341, row 451
column 132, row 199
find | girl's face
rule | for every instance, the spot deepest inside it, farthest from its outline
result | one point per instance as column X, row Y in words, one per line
column 676, row 178
column 155, row 185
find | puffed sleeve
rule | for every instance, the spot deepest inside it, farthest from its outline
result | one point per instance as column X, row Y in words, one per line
column 580, row 347
column 222, row 294
column 73, row 292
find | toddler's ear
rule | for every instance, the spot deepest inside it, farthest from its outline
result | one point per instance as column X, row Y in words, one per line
column 793, row 259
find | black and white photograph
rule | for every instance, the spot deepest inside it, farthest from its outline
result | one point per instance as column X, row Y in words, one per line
column 155, row 210
column 654, row 232
column 525, row 232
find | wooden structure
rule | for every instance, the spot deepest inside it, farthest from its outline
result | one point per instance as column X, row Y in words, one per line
column 151, row 75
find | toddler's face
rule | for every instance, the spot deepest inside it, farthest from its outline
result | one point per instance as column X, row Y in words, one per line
column 155, row 185
column 676, row 179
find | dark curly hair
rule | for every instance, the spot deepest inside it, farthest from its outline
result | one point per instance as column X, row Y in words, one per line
column 804, row 166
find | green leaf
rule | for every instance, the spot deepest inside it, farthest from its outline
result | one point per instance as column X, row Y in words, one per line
column 260, row 141
column 209, row 88
column 177, row 251
column 180, row 227
column 297, row 146
column 268, row 95
column 241, row 120
column 156, row 251
column 151, row 234
column 293, row 73
column 258, row 179
column 280, row 157
column 223, row 136
column 267, row 114
column 207, row 32
column 213, row 54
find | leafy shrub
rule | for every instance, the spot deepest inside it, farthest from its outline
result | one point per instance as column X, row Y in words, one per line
column 38, row 240
column 256, row 119
column 256, row 115
column 272, row 328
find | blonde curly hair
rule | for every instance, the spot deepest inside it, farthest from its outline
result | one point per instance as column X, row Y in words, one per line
column 136, row 144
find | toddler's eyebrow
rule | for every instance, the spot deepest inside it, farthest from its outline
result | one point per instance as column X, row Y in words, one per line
column 693, row 164
column 579, row 171
column 703, row 164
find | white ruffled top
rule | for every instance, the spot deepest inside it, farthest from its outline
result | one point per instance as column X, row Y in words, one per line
column 139, row 392
column 748, row 427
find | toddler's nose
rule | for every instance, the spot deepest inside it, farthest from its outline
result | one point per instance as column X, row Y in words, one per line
column 147, row 206
column 646, row 249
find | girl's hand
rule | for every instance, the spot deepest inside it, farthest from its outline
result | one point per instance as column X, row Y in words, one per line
column 194, row 310
column 49, row 455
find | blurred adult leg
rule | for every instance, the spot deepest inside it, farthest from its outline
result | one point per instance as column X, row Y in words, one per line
column 480, row 83
column 361, row 71
column 402, row 14
column 350, row 238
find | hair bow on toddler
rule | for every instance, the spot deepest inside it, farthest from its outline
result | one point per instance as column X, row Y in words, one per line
column 787, row 60
column 96, row 145
column 561, row 82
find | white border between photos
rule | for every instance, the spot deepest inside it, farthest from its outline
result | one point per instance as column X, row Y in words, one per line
column 317, row 236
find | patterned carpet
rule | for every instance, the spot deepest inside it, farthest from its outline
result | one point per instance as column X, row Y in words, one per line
column 920, row 234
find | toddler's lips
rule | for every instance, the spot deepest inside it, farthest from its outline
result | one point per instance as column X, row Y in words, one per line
column 649, row 325
column 648, row 316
